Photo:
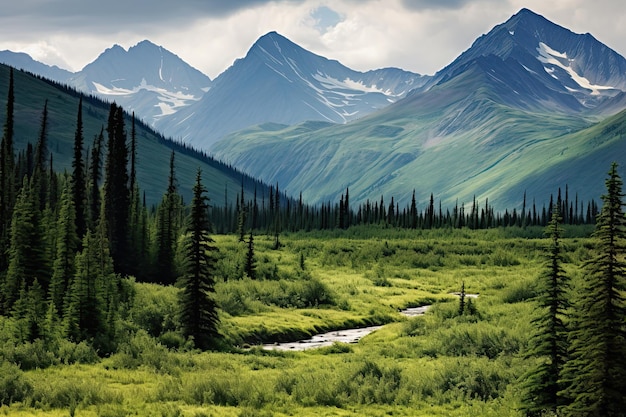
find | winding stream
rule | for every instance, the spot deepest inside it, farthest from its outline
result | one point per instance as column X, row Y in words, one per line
column 345, row 336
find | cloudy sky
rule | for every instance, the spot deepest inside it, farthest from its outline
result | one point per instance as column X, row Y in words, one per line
column 417, row 35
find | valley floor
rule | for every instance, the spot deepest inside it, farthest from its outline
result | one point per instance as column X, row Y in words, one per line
column 443, row 363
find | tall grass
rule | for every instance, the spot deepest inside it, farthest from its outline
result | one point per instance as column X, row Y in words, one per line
column 442, row 363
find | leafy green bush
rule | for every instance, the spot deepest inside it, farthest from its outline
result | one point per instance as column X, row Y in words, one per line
column 472, row 339
column 522, row 290
column 30, row 355
column 501, row 257
column 251, row 296
column 14, row 387
column 70, row 392
column 154, row 308
column 69, row 352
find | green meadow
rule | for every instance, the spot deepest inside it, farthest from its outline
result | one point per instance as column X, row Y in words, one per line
column 440, row 364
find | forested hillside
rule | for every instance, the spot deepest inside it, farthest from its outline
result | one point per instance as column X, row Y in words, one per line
column 153, row 150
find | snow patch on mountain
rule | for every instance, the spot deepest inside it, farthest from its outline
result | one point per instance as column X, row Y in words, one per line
column 349, row 84
column 169, row 102
column 553, row 60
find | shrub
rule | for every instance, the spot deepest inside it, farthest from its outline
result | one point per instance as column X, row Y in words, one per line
column 155, row 308
column 70, row 352
column 33, row 355
column 500, row 257
column 14, row 387
column 69, row 393
column 520, row 291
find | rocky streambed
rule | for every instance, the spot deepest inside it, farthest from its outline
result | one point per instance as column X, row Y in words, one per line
column 342, row 336
column 347, row 335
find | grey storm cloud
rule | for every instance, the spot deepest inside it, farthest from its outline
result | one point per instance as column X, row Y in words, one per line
column 113, row 12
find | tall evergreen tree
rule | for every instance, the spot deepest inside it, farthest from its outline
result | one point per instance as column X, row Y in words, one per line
column 79, row 183
column 167, row 229
column 542, row 383
column 95, row 174
column 137, row 239
column 595, row 374
column 250, row 259
column 40, row 162
column 116, row 193
column 67, row 245
column 198, row 308
column 29, row 312
column 26, row 255
column 84, row 311
column 7, row 176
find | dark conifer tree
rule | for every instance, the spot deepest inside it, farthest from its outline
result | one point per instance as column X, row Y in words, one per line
column 95, row 170
column 413, row 212
column 40, row 163
column 67, row 245
column 199, row 316
column 116, row 193
column 7, row 176
column 595, row 374
column 250, row 259
column 26, row 254
column 241, row 215
column 29, row 312
column 79, row 183
column 548, row 344
column 168, row 226
column 462, row 299
column 84, row 311
column 138, row 245
column 133, row 154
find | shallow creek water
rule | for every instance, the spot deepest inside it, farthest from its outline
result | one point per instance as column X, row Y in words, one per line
column 345, row 336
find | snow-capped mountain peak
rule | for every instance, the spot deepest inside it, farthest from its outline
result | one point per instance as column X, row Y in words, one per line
column 280, row 82
column 147, row 79
column 556, row 64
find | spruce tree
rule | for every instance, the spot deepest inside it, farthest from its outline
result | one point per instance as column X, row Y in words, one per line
column 250, row 260
column 137, row 240
column 92, row 290
column 541, row 384
column 595, row 374
column 66, row 247
column 199, row 318
column 462, row 299
column 28, row 312
column 116, row 193
column 39, row 178
column 167, row 230
column 79, row 183
column 7, row 176
column 95, row 173
column 27, row 260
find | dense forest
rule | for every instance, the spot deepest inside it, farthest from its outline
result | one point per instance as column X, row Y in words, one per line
column 77, row 247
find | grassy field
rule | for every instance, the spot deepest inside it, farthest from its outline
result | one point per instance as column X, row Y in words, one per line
column 439, row 364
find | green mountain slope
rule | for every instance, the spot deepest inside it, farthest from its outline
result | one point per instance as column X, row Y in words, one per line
column 153, row 151
column 455, row 140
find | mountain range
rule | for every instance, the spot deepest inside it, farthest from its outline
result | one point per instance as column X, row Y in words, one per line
column 528, row 108
column 506, row 117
